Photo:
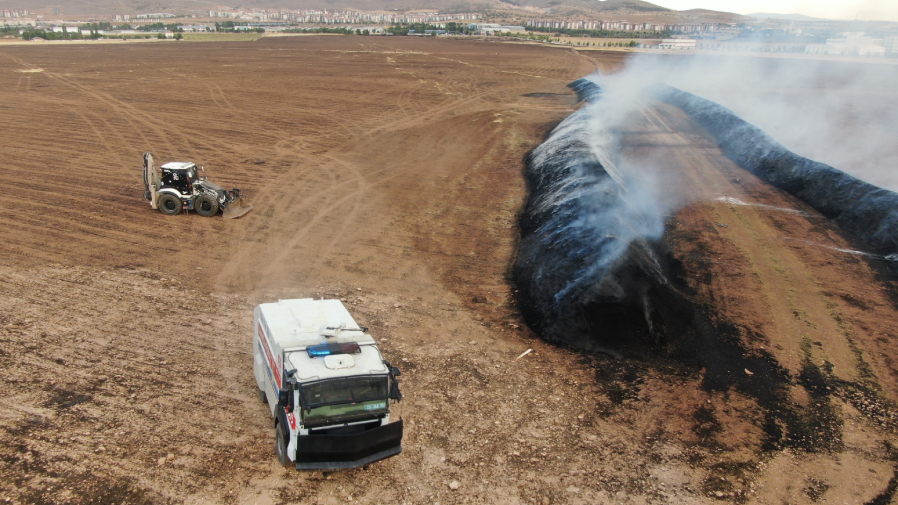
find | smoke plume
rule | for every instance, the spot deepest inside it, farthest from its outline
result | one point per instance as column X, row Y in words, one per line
column 841, row 113
column 589, row 267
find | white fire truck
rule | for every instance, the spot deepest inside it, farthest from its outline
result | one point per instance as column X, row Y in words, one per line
column 327, row 385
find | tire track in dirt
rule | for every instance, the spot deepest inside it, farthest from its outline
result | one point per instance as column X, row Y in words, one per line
column 159, row 127
column 279, row 185
column 348, row 218
column 115, row 105
column 102, row 138
column 284, row 245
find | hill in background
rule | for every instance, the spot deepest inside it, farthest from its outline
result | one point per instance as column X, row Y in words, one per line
column 596, row 9
column 787, row 17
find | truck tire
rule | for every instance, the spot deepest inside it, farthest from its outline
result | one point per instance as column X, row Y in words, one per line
column 169, row 204
column 262, row 396
column 280, row 446
column 205, row 205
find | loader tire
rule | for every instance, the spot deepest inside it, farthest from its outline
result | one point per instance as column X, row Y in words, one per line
column 205, row 205
column 169, row 204
column 280, row 445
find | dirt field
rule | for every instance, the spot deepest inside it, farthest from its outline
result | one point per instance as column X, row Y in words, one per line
column 387, row 172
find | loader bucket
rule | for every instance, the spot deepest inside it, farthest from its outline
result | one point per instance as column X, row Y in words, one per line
column 236, row 208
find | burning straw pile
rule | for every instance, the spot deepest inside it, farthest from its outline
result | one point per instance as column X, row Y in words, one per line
column 587, row 268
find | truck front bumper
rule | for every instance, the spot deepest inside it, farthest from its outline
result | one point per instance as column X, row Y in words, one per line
column 334, row 452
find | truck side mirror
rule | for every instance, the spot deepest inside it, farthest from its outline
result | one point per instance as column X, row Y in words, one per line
column 283, row 397
column 395, row 371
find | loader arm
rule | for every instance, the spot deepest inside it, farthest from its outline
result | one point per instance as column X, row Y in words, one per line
column 152, row 181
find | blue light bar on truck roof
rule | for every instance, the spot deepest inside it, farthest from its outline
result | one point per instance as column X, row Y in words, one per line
column 328, row 349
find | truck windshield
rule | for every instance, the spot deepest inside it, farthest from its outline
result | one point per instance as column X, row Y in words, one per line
column 345, row 399
column 345, row 390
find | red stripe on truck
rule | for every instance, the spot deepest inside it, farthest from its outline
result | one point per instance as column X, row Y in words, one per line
column 271, row 362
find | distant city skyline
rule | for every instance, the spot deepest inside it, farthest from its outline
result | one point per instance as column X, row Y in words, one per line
column 868, row 10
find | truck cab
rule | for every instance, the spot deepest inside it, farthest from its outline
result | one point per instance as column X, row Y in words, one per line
column 326, row 384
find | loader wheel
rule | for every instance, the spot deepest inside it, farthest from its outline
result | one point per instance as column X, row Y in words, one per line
column 206, row 206
column 170, row 205
column 280, row 445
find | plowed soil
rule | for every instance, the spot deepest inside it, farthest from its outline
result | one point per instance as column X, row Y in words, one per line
column 387, row 172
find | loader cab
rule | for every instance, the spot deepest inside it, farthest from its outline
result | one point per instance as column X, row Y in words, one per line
column 180, row 176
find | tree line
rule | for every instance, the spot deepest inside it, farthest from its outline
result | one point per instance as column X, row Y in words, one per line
column 609, row 34
column 230, row 27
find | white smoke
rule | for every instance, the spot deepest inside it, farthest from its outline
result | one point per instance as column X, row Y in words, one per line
column 842, row 113
column 591, row 206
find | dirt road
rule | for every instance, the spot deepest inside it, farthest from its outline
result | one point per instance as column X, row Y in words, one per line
column 387, row 172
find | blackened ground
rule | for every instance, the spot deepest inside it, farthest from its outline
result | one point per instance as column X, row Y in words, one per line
column 651, row 308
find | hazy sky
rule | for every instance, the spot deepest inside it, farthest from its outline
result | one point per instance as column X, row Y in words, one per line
column 878, row 10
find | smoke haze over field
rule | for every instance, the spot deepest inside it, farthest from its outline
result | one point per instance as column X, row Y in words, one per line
column 843, row 114
column 875, row 10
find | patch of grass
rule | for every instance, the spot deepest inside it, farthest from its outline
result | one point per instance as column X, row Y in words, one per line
column 867, row 375
column 222, row 37
column 852, row 300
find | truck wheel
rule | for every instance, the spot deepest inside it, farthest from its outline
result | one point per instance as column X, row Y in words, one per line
column 280, row 445
column 169, row 204
column 262, row 396
column 205, row 205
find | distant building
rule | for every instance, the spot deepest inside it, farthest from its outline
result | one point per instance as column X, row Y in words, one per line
column 492, row 28
column 618, row 26
column 158, row 15
column 198, row 28
column 679, row 44
column 14, row 13
column 891, row 45
column 855, row 44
